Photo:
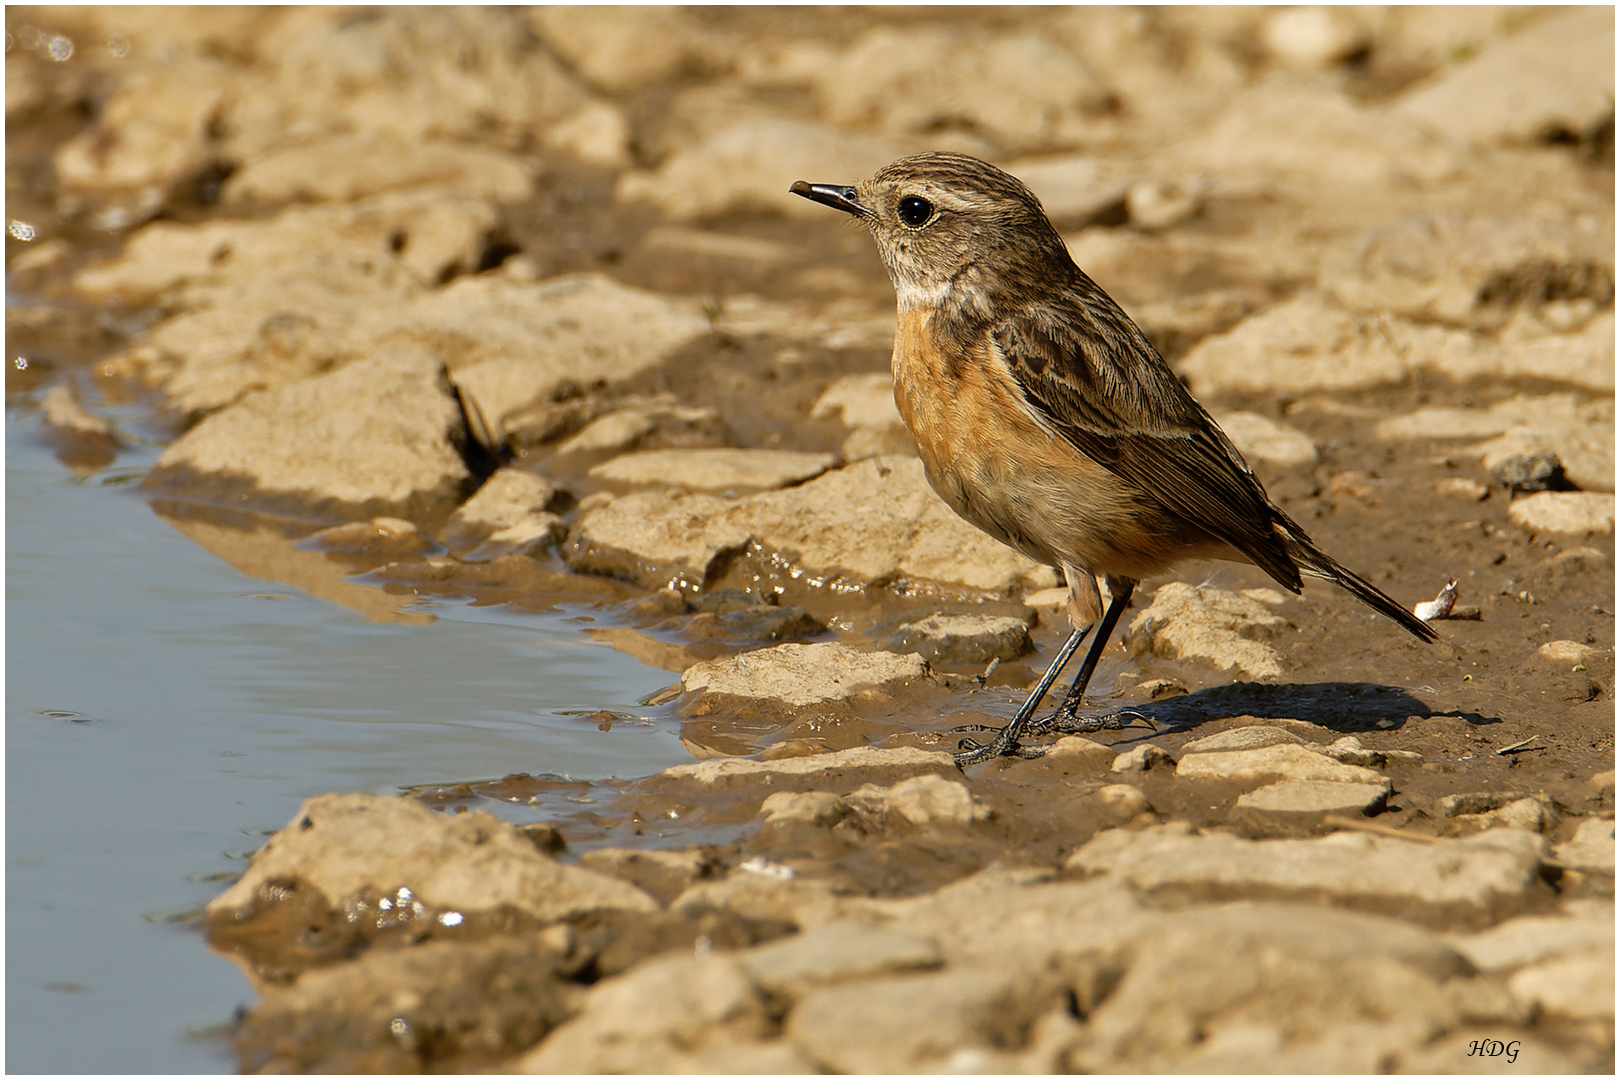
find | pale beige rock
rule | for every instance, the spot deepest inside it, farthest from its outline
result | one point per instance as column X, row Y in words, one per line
column 1312, row 797
column 1591, row 848
column 764, row 892
column 1568, row 652
column 1309, row 37
column 1303, row 344
column 1243, row 738
column 664, row 874
column 1434, row 267
column 633, row 426
column 1017, row 87
column 325, row 73
column 1581, row 987
column 1202, row 622
column 962, row 639
column 61, row 409
column 515, row 345
column 861, row 401
column 725, row 772
column 378, row 437
column 344, row 845
column 1262, row 988
column 905, row 1023
column 1278, row 762
column 480, row 998
column 1564, row 512
column 1334, row 145
column 724, row 469
column 1259, row 438
column 806, row 807
column 1472, row 878
column 871, row 522
column 1073, row 187
column 345, row 168
column 153, row 130
column 1462, row 486
column 1083, row 748
column 1533, row 939
column 1122, row 799
column 621, row 48
column 1557, row 73
column 656, row 1017
column 716, row 245
column 741, row 168
column 509, row 498
column 1141, row 759
column 597, row 133
column 842, row 951
column 921, row 800
column 800, row 675
column 1587, row 456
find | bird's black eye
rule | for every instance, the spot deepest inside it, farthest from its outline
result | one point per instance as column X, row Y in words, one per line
column 915, row 212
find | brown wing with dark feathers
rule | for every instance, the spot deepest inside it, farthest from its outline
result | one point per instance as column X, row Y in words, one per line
column 1114, row 398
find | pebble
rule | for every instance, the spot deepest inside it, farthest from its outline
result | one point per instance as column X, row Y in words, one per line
column 720, row 470
column 1564, row 512
column 1591, row 849
column 1276, row 762
column 963, row 639
column 1243, row 738
column 800, row 675
column 1216, row 625
column 1260, row 438
column 1142, row 759
column 1312, row 797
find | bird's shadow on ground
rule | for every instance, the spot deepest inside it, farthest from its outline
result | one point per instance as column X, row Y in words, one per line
column 1339, row 706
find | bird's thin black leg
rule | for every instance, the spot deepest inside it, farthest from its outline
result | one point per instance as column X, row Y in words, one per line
column 1007, row 739
column 1105, row 630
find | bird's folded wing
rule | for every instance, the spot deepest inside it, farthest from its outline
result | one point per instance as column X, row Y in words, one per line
column 1118, row 403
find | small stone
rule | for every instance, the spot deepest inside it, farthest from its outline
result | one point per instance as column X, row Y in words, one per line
column 1076, row 746
column 725, row 470
column 1262, row 439
column 837, row 952
column 963, row 639
column 1349, row 751
column 1314, row 797
column 1243, row 738
column 1568, row 653
column 1280, row 762
column 1141, row 759
column 821, row 808
column 379, row 536
column 922, row 800
column 525, row 538
column 1225, row 628
column 1591, row 849
column 849, row 764
column 1580, row 987
column 1123, row 800
column 1602, row 780
column 1463, row 487
column 1476, row 878
column 861, row 401
column 1533, row 939
column 1158, row 689
column 1564, row 512
column 801, row 675
column 509, row 497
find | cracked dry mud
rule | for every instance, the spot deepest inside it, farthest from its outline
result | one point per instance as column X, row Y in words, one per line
column 568, row 339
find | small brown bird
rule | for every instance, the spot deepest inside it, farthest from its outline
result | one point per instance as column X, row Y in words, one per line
column 1043, row 415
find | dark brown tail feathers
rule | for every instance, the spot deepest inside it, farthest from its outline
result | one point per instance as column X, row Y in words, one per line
column 1314, row 561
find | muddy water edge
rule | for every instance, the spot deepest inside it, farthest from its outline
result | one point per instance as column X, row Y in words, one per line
column 544, row 469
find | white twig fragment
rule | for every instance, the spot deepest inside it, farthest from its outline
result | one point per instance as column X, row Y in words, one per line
column 1440, row 606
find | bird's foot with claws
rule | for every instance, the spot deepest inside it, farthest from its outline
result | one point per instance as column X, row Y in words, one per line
column 1068, row 720
column 971, row 753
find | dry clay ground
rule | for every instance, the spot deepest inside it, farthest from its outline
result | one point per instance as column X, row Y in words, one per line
column 515, row 305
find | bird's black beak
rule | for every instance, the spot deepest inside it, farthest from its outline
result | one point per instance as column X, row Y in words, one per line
column 838, row 196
